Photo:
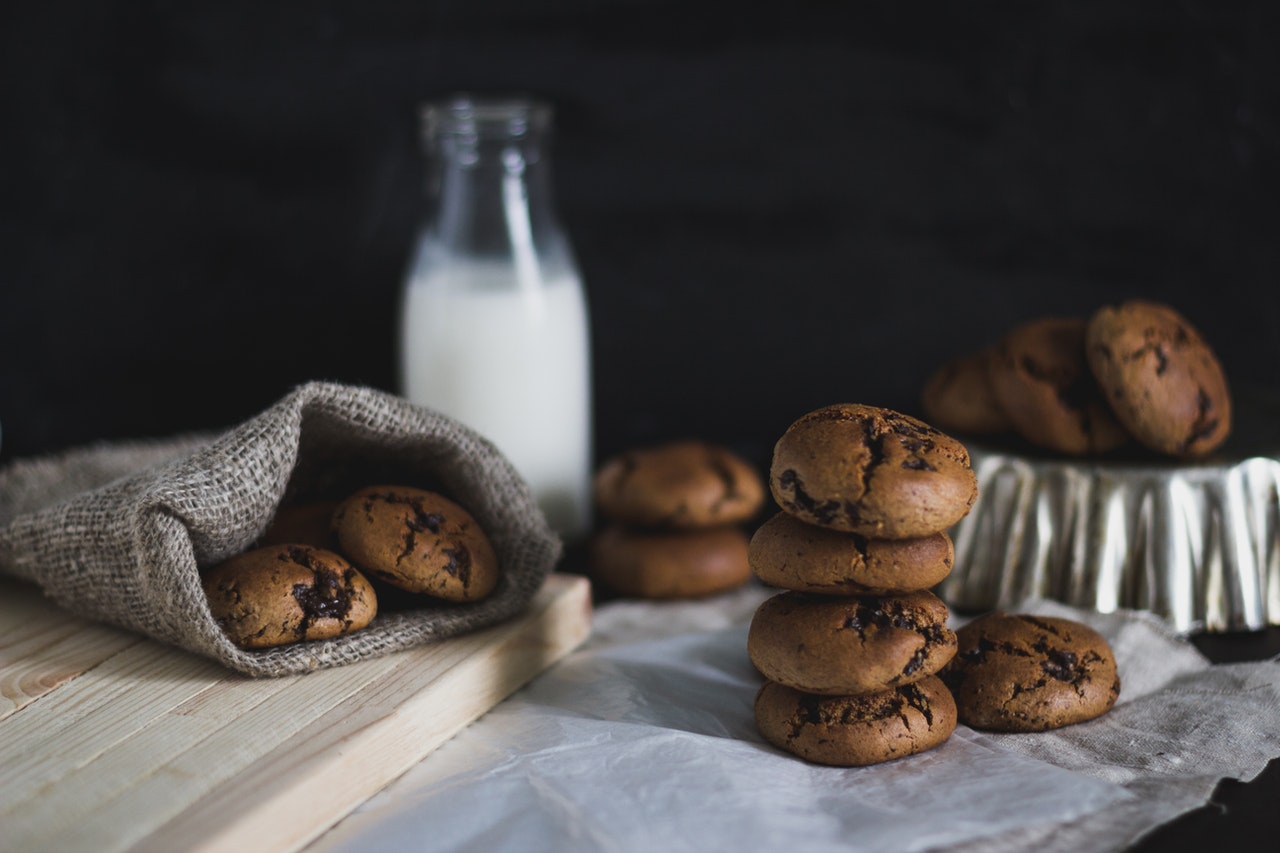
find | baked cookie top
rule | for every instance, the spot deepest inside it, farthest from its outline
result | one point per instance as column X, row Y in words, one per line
column 1162, row 379
column 847, row 645
column 854, row 731
column 1018, row 673
column 419, row 541
column 683, row 484
column 873, row 471
column 788, row 553
column 1043, row 383
column 281, row 594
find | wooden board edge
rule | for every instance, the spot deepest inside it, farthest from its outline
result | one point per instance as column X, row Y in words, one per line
column 326, row 761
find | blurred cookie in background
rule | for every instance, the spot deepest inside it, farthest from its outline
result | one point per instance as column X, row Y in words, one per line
column 958, row 397
column 674, row 516
column 665, row 564
column 680, row 485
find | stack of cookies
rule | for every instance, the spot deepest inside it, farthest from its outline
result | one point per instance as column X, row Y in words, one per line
column 674, row 516
column 851, row 648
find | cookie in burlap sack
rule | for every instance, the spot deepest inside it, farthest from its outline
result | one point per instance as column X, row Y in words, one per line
column 120, row 532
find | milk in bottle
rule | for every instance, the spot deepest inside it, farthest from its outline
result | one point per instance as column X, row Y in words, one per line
column 494, row 324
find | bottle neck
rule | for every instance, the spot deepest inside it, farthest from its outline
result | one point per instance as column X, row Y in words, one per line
column 491, row 177
column 491, row 195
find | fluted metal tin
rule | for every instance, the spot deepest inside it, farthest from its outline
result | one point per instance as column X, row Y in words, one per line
column 1197, row 543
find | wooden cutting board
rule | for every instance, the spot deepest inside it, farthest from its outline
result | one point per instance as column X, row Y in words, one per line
column 109, row 741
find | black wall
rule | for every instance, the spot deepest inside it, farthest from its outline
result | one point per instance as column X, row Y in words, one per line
column 205, row 204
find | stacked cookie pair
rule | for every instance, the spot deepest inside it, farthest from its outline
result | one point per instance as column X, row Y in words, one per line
column 851, row 649
column 674, row 516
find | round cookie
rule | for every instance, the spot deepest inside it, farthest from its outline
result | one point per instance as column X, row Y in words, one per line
column 855, row 644
column 303, row 524
column 873, row 471
column 958, row 396
column 1041, row 379
column 670, row 564
column 785, row 552
column 854, row 731
column 685, row 484
column 1014, row 673
column 1160, row 376
column 417, row 540
column 286, row 593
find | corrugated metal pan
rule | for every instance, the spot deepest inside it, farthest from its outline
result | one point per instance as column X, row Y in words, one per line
column 1197, row 543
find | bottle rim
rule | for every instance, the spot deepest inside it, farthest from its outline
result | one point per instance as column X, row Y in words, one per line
column 465, row 113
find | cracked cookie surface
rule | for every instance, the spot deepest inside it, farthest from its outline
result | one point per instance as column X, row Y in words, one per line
column 852, row 731
column 1160, row 376
column 1017, row 673
column 684, row 484
column 848, row 645
column 282, row 594
column 788, row 553
column 1042, row 381
column 419, row 541
column 873, row 471
column 670, row 564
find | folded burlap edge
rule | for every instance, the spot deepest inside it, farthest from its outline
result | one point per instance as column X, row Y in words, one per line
column 129, row 551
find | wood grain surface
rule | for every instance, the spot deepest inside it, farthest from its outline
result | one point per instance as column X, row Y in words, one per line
column 109, row 741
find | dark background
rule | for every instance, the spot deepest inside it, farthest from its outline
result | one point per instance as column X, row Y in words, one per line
column 205, row 204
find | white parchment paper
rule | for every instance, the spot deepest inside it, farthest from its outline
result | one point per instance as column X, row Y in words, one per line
column 644, row 740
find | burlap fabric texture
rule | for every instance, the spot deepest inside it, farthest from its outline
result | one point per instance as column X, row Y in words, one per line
column 119, row 532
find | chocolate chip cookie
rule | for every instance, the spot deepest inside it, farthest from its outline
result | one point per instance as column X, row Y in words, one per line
column 1160, row 376
column 958, row 396
column 853, row 731
column 670, row 564
column 873, row 471
column 419, row 541
column 848, row 645
column 303, row 524
column 286, row 593
column 1043, row 383
column 685, row 484
column 785, row 552
column 1015, row 673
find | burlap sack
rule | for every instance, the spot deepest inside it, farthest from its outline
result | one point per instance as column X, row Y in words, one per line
column 119, row 532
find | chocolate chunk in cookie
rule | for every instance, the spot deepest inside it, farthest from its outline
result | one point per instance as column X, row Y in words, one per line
column 785, row 552
column 873, row 471
column 286, row 593
column 1162, row 379
column 849, row 645
column 1015, row 673
column 1043, row 383
column 419, row 541
column 670, row 564
column 854, row 731
column 685, row 484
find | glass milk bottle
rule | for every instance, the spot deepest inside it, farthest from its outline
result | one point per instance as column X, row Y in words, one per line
column 494, row 319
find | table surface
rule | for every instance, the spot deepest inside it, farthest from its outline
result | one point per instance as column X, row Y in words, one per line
column 111, row 741
column 1239, row 811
